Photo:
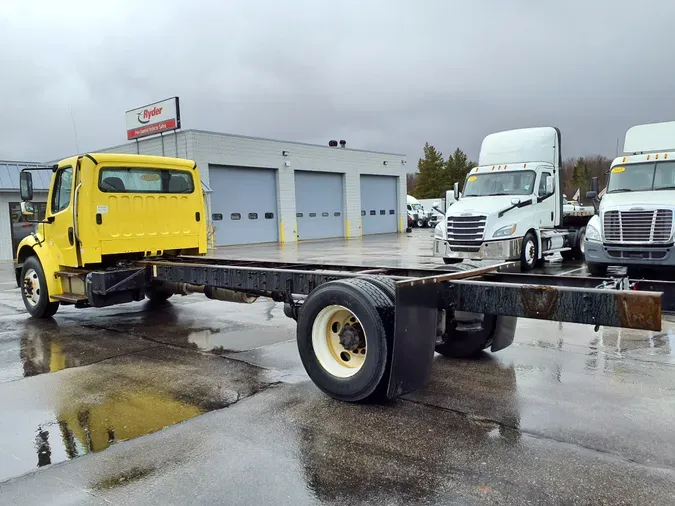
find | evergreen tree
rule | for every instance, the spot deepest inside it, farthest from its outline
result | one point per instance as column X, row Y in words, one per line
column 581, row 178
column 431, row 180
column 456, row 169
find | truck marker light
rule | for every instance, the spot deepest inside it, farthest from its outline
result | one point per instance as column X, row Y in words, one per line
column 665, row 155
column 657, row 156
column 648, row 157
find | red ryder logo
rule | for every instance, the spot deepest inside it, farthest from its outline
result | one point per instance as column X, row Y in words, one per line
column 147, row 114
column 152, row 119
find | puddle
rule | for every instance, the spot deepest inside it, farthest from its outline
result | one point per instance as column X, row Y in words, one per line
column 56, row 417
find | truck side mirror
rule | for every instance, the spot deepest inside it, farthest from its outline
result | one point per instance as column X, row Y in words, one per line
column 549, row 185
column 26, row 185
column 455, row 191
column 27, row 208
column 592, row 195
column 594, row 184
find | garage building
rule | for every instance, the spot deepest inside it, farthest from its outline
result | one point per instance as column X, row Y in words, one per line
column 264, row 190
column 257, row 190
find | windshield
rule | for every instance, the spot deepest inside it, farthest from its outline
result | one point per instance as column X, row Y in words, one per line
column 416, row 206
column 500, row 183
column 642, row 177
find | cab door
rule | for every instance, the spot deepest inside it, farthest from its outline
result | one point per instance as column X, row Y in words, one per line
column 60, row 230
column 546, row 200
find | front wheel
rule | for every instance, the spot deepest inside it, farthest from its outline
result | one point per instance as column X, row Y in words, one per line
column 529, row 254
column 578, row 251
column 342, row 336
column 34, row 290
column 420, row 223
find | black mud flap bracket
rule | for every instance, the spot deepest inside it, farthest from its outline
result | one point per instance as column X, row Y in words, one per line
column 414, row 340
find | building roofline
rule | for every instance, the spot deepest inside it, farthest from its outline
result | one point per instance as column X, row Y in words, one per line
column 223, row 134
column 298, row 143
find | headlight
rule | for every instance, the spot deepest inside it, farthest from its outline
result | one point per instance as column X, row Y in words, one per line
column 438, row 231
column 505, row 231
column 592, row 233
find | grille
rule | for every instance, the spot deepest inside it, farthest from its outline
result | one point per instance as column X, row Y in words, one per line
column 466, row 231
column 638, row 226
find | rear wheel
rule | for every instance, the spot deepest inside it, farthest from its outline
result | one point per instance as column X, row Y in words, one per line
column 342, row 335
column 471, row 335
column 157, row 294
column 420, row 223
column 34, row 290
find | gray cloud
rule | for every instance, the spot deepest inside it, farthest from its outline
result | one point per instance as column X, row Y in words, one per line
column 386, row 75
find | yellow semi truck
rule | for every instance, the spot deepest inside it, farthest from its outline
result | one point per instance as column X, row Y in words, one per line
column 120, row 228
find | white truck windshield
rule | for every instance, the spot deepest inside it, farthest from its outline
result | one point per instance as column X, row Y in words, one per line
column 642, row 177
column 513, row 182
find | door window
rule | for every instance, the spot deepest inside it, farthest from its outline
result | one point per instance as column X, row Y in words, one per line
column 63, row 187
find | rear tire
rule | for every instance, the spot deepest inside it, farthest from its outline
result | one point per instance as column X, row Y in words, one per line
column 34, row 291
column 339, row 370
column 596, row 270
column 567, row 255
column 420, row 223
column 465, row 343
column 156, row 294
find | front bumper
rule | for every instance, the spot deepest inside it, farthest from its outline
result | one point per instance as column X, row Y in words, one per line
column 508, row 249
column 614, row 254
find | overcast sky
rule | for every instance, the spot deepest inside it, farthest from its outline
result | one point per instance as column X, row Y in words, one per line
column 382, row 74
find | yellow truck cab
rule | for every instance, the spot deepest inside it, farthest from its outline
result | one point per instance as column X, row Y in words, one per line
column 102, row 209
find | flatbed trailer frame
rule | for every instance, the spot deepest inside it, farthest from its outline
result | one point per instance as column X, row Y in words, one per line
column 424, row 301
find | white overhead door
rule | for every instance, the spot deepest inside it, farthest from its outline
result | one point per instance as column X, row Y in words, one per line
column 243, row 205
column 319, row 205
column 379, row 208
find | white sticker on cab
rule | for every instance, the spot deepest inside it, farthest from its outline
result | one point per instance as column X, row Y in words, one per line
column 102, row 209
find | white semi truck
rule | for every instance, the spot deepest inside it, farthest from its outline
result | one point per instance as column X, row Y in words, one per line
column 512, row 205
column 634, row 225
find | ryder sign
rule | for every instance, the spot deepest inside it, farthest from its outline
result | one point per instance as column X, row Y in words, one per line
column 153, row 118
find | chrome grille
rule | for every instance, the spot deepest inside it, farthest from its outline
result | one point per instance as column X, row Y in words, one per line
column 651, row 227
column 465, row 230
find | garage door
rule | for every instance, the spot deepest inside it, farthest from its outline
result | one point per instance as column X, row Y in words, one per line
column 243, row 205
column 319, row 205
column 379, row 209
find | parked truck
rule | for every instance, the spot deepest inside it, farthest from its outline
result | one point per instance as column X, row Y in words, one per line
column 512, row 206
column 417, row 217
column 122, row 228
column 634, row 225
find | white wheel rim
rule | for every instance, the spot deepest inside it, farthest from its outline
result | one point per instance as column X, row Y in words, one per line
column 529, row 252
column 331, row 355
column 31, row 287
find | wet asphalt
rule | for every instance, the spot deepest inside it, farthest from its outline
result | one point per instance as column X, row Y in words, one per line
column 201, row 401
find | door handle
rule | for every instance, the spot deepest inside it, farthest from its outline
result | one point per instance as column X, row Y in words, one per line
column 99, row 218
column 71, row 236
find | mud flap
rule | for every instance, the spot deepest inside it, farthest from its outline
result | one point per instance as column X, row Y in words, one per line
column 504, row 333
column 414, row 337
